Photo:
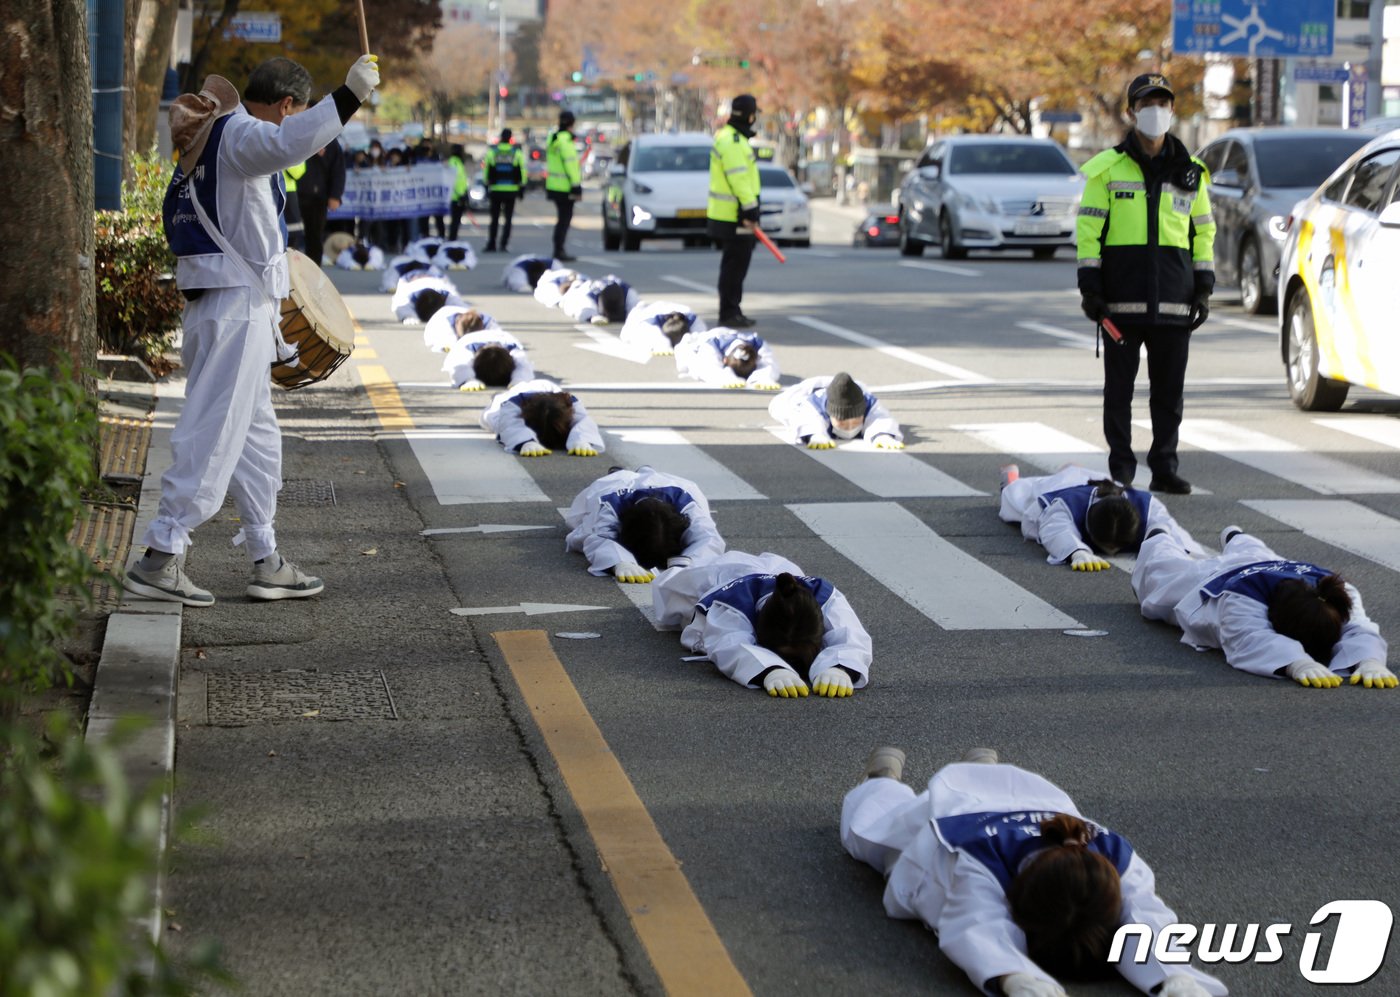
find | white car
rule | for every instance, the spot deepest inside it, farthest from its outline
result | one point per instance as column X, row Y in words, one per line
column 1339, row 281
column 658, row 188
column 786, row 216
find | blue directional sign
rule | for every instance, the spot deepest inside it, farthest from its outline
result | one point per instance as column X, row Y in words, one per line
column 1262, row 28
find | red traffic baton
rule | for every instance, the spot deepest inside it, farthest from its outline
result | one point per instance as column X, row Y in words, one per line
column 1112, row 330
column 772, row 248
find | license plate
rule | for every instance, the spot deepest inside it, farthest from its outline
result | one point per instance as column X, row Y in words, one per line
column 691, row 213
column 1036, row 226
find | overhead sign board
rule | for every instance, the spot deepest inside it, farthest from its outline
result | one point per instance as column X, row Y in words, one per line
column 255, row 26
column 1259, row 28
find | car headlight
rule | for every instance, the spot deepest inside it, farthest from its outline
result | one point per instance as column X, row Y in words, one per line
column 1278, row 227
column 640, row 188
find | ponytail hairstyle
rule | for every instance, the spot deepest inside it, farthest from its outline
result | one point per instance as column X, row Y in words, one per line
column 1112, row 522
column 652, row 530
column 426, row 303
column 1311, row 615
column 534, row 270
column 467, row 322
column 493, row 366
column 790, row 624
column 1068, row 901
column 742, row 359
column 550, row 416
column 675, row 326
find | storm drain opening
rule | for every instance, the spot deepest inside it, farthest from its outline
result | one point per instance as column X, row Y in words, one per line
column 239, row 699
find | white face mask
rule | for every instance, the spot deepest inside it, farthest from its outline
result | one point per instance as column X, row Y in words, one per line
column 1154, row 121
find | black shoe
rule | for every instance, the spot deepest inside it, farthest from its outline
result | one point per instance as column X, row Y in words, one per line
column 1122, row 476
column 1170, row 482
column 490, row 248
column 740, row 321
column 564, row 257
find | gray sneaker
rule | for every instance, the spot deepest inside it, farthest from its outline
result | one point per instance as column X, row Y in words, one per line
column 285, row 582
column 885, row 763
column 167, row 584
column 987, row 756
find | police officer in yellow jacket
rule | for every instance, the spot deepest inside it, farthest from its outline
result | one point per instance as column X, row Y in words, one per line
column 504, row 170
column 563, row 183
column 732, row 212
column 1146, row 250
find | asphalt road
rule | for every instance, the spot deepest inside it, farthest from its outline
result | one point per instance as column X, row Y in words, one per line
column 1255, row 801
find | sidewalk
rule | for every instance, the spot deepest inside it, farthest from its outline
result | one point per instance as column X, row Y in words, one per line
column 368, row 818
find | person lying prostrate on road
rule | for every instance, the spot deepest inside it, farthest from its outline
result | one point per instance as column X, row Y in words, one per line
column 492, row 358
column 1270, row 616
column 524, row 272
column 552, row 285
column 658, row 326
column 456, row 255
column 728, row 358
column 1019, row 886
column 401, row 266
column 631, row 524
column 602, row 301
column 821, row 410
column 1080, row 517
column 535, row 418
column 451, row 322
column 766, row 625
column 423, row 249
column 360, row 256
column 419, row 296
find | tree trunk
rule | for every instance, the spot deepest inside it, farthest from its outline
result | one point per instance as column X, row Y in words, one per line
column 46, row 291
column 155, row 33
column 194, row 72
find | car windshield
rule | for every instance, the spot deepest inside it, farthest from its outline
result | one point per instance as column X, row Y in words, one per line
column 671, row 158
column 1303, row 162
column 1007, row 157
column 773, row 179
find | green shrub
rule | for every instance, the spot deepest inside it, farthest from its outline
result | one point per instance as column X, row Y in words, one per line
column 138, row 305
column 48, row 434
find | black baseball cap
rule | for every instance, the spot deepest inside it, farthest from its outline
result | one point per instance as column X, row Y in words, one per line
column 1149, row 83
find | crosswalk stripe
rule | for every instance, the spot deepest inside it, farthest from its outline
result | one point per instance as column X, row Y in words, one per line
column 669, row 451
column 886, row 473
column 611, row 346
column 897, row 352
column 1341, row 523
column 1381, row 429
column 470, row 468
column 1316, row 472
column 941, row 268
column 1077, row 340
column 1035, row 443
column 952, row 588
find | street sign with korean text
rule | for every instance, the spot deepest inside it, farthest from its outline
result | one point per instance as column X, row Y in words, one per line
column 1321, row 74
column 1259, row 28
column 255, row 26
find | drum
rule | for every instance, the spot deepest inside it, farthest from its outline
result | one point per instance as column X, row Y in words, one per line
column 315, row 324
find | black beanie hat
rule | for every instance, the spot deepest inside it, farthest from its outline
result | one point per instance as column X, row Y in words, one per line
column 844, row 399
column 745, row 103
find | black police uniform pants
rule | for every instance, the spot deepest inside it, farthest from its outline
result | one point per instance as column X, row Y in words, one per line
column 502, row 203
column 564, row 217
column 736, row 247
column 1167, row 349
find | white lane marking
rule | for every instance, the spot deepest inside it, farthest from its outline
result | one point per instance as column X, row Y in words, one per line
column 952, row 588
column 1285, row 460
column 669, row 451
column 1244, row 323
column 528, row 608
column 942, row 268
column 1036, row 443
column 824, row 253
column 1069, row 338
column 466, row 468
column 1341, row 523
column 483, row 528
column 897, row 352
column 1380, row 429
column 600, row 261
column 691, row 284
column 886, row 473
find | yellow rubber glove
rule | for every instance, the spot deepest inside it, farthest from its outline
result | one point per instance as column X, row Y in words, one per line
column 765, row 386
column 785, row 683
column 582, row 450
column 732, row 384
column 472, row 385
column 629, row 572
column 1374, row 675
column 663, row 353
column 1308, row 672
column 1083, row 560
column 535, row 450
column 834, row 683
column 820, row 442
column 887, row 442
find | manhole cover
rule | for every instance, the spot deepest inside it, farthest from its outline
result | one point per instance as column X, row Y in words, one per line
column 237, row 699
column 301, row 491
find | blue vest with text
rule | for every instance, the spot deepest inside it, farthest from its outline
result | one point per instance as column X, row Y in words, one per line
column 1003, row 842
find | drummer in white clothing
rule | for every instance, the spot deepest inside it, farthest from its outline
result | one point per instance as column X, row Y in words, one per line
column 728, row 358
column 633, row 523
column 491, row 358
column 821, row 410
column 1018, row 884
column 657, row 326
column 1271, row 616
column 451, row 322
column 766, row 625
column 1080, row 516
column 535, row 418
column 420, row 294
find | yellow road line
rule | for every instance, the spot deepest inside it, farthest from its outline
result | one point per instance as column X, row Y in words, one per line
column 674, row 929
column 384, row 396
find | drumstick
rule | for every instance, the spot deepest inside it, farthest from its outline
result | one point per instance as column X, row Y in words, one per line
column 763, row 238
column 364, row 29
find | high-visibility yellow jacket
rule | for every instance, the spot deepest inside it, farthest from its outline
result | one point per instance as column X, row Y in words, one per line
column 460, row 181
column 561, row 163
column 291, row 175
column 1146, row 239
column 734, row 182
column 504, row 167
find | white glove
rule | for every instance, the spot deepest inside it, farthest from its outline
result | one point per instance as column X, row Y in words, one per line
column 629, row 572
column 834, row 683
column 534, row 449
column 1025, row 985
column 784, row 682
column 1182, row 986
column 1308, row 672
column 1083, row 560
column 887, row 442
column 819, row 441
column 363, row 77
column 1375, row 675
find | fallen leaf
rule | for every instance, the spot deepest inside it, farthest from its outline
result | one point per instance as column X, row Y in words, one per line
column 200, row 653
column 176, row 926
column 272, row 754
column 370, row 551
column 312, row 713
column 398, row 484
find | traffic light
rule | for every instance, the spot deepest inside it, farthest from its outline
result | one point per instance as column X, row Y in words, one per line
column 743, row 63
column 638, row 77
column 504, row 92
column 576, row 76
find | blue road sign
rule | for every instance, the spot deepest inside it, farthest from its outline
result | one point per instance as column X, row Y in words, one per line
column 1321, row 74
column 1263, row 28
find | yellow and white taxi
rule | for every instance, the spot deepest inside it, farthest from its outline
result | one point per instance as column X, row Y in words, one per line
column 1339, row 282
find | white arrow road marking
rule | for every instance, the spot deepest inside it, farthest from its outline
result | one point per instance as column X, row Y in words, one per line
column 528, row 608
column 483, row 528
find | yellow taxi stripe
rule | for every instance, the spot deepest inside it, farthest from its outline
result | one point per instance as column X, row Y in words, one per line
column 677, row 934
column 1361, row 351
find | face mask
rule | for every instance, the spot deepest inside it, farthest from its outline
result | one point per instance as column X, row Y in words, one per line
column 846, row 434
column 1154, row 121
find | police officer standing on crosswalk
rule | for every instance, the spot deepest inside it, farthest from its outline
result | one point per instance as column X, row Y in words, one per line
column 504, row 168
column 732, row 211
